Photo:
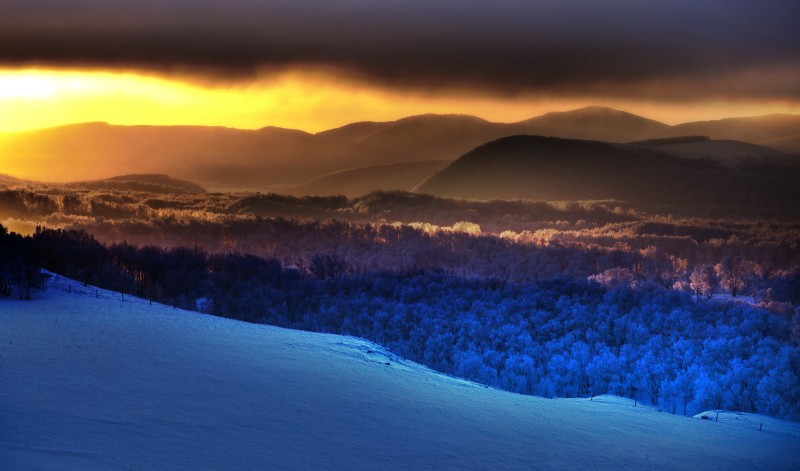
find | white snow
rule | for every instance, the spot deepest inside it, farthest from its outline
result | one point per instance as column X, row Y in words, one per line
column 97, row 383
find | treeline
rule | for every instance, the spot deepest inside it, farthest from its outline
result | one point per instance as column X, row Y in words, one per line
column 54, row 203
column 626, row 253
column 513, row 241
column 20, row 265
column 556, row 336
column 757, row 258
column 666, row 141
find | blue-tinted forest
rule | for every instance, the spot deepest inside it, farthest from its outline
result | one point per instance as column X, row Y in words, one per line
column 630, row 330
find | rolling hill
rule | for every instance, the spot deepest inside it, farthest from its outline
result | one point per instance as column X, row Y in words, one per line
column 8, row 180
column 360, row 181
column 541, row 168
column 209, row 155
column 733, row 154
column 754, row 129
column 148, row 183
column 272, row 158
column 94, row 382
column 786, row 144
column 435, row 137
column 593, row 123
column 418, row 138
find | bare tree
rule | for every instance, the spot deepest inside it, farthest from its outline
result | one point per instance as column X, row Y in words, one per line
column 702, row 280
column 733, row 272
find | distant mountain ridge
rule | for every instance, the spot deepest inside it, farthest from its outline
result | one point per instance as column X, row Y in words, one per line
column 754, row 129
column 734, row 154
column 786, row 144
column 593, row 123
column 149, row 183
column 547, row 168
column 275, row 157
column 403, row 176
column 437, row 137
column 204, row 154
column 144, row 183
column 9, row 180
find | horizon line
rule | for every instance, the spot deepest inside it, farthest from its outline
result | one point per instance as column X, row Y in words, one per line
column 467, row 115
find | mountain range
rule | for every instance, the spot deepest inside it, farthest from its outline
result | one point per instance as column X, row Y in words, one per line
column 145, row 183
column 281, row 159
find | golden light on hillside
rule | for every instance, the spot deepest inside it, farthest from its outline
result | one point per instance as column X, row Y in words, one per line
column 301, row 99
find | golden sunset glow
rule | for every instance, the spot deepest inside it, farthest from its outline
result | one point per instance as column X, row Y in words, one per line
column 306, row 100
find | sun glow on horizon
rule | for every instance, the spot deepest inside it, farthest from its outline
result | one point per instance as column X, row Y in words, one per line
column 307, row 100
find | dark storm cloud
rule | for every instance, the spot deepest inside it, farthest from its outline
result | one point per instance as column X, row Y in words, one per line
column 747, row 49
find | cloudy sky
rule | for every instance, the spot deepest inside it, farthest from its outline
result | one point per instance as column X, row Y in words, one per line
column 341, row 60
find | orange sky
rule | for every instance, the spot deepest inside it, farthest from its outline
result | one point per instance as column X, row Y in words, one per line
column 307, row 100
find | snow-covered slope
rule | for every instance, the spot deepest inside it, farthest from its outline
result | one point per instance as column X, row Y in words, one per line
column 92, row 382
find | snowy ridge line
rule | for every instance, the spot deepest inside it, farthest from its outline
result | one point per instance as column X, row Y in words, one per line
column 367, row 346
column 69, row 286
column 372, row 351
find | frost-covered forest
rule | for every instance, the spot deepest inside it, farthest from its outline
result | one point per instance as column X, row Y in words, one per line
column 577, row 319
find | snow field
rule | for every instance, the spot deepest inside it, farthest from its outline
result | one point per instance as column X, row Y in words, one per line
column 99, row 383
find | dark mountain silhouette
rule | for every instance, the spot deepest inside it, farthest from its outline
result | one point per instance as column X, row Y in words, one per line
column 542, row 168
column 363, row 180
